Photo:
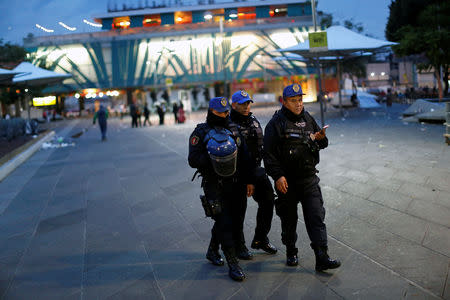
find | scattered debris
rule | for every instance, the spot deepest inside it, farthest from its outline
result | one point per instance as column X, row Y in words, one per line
column 57, row 142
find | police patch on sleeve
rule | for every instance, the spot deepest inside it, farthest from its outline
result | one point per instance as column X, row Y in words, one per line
column 255, row 124
column 238, row 141
column 194, row 140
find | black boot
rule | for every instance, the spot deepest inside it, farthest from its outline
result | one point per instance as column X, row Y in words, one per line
column 213, row 255
column 235, row 272
column 243, row 253
column 265, row 246
column 291, row 256
column 323, row 261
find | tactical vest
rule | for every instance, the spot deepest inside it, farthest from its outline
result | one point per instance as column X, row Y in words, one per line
column 299, row 154
column 252, row 132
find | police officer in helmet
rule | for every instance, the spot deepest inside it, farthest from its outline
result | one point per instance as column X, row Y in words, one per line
column 292, row 141
column 250, row 128
column 223, row 161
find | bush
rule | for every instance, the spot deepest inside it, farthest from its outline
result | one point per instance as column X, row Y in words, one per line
column 12, row 128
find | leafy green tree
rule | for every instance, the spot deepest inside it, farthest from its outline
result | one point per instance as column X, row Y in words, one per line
column 422, row 28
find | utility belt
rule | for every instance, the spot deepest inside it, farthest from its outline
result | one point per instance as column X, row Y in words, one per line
column 212, row 207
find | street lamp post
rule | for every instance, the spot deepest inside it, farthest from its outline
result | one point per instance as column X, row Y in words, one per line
column 317, row 63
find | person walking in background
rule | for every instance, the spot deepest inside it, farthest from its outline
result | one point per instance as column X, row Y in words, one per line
column 175, row 111
column 139, row 114
column 133, row 114
column 146, row 115
column 161, row 112
column 181, row 114
column 102, row 115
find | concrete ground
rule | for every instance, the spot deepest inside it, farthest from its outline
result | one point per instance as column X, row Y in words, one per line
column 121, row 219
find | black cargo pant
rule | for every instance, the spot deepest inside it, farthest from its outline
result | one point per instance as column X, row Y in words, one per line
column 308, row 193
column 265, row 198
column 227, row 230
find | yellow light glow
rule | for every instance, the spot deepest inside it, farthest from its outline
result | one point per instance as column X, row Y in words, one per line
column 44, row 101
column 179, row 19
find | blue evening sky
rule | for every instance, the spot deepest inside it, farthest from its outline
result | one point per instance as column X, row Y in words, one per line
column 20, row 16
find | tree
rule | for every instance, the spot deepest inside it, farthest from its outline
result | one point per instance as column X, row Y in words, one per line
column 422, row 28
column 10, row 56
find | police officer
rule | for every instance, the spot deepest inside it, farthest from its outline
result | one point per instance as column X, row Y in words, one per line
column 292, row 142
column 250, row 129
column 223, row 161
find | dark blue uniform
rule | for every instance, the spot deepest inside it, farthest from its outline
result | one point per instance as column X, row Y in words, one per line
column 229, row 191
column 250, row 128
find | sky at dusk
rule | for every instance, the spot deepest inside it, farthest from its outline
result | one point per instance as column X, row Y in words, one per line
column 19, row 17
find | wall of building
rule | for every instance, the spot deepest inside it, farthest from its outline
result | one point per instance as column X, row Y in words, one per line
column 186, row 60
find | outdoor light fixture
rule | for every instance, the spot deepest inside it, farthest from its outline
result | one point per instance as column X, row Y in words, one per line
column 179, row 19
column 67, row 27
column 233, row 14
column 77, row 95
column 382, row 73
column 208, row 15
column 92, row 24
column 44, row 29
column 372, row 74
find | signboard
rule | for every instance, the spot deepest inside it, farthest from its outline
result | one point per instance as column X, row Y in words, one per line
column 169, row 81
column 318, row 41
column 44, row 101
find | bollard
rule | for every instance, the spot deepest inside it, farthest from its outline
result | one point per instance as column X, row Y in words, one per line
column 447, row 123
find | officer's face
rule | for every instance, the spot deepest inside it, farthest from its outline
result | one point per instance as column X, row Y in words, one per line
column 294, row 104
column 220, row 114
column 243, row 109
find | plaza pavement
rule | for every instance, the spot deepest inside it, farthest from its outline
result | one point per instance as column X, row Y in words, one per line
column 122, row 220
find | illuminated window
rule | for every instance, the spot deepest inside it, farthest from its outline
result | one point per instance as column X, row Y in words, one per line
column 278, row 11
column 183, row 17
column 121, row 22
column 246, row 13
column 152, row 20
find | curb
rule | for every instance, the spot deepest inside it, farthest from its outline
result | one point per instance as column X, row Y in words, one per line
column 19, row 159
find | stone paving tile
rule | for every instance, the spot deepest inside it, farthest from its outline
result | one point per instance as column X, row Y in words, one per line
column 355, row 188
column 391, row 199
column 365, row 280
column 106, row 281
column 410, row 177
column 438, row 239
column 51, row 268
column 381, row 171
column 387, row 184
column 443, row 198
column 397, row 254
column 431, row 212
column 142, row 289
column 419, row 191
column 356, row 175
column 439, row 182
column 404, row 225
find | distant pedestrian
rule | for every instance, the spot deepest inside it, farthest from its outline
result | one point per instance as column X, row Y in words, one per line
column 175, row 111
column 181, row 114
column 133, row 114
column 139, row 114
column 102, row 116
column 147, row 115
column 161, row 111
